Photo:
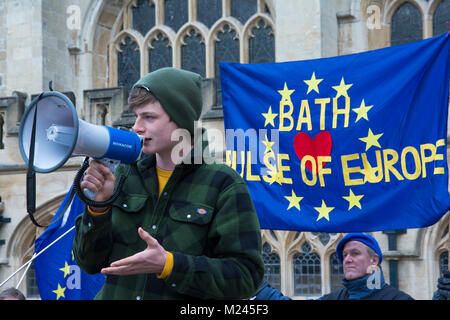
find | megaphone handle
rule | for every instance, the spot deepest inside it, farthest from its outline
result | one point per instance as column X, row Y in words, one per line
column 112, row 165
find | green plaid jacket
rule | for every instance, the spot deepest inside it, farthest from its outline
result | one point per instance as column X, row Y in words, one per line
column 204, row 216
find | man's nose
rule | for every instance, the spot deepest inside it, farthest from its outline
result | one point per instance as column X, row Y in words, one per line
column 347, row 259
column 137, row 127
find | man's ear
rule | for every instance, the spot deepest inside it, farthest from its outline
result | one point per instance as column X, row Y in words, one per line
column 374, row 259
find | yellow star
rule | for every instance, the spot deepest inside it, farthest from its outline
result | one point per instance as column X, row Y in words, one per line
column 353, row 200
column 294, row 201
column 285, row 93
column 371, row 139
column 362, row 111
column 279, row 176
column 313, row 84
column 268, row 145
column 66, row 269
column 274, row 175
column 59, row 292
column 269, row 116
column 323, row 211
column 342, row 88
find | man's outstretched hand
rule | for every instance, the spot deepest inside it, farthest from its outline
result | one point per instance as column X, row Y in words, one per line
column 151, row 260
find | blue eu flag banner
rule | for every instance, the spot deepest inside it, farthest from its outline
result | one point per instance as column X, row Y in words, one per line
column 57, row 275
column 343, row 144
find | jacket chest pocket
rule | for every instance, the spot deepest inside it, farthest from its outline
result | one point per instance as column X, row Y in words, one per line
column 187, row 228
column 127, row 216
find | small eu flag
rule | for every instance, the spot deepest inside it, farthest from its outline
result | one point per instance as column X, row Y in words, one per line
column 354, row 143
column 57, row 275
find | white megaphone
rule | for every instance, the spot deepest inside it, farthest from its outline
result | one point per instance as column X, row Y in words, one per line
column 60, row 134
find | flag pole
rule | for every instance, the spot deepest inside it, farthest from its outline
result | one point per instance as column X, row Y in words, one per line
column 28, row 263
column 25, row 272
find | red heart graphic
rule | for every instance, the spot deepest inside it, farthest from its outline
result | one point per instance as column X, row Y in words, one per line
column 319, row 146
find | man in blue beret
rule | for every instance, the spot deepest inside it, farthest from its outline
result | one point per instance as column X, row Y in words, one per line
column 361, row 258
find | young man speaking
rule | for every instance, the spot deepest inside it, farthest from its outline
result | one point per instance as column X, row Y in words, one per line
column 178, row 229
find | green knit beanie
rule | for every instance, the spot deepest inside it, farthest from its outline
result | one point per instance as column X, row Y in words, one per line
column 179, row 92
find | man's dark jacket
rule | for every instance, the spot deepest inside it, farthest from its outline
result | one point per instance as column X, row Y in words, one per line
column 365, row 289
column 204, row 216
column 386, row 293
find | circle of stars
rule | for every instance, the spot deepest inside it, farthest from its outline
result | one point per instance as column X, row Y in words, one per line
column 371, row 140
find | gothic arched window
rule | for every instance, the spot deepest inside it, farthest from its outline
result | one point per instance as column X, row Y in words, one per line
column 307, row 273
column 209, row 11
column 159, row 52
column 31, row 283
column 272, row 266
column 226, row 49
column 175, row 13
column 443, row 262
column 406, row 25
column 192, row 35
column 243, row 10
column 128, row 62
column 441, row 17
column 143, row 13
column 443, row 257
column 261, row 43
column 193, row 52
column 336, row 272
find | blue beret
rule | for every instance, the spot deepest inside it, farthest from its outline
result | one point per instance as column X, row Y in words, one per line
column 368, row 240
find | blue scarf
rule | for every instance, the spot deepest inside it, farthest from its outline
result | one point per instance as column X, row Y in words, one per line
column 364, row 287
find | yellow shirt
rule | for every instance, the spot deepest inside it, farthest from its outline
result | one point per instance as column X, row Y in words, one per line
column 163, row 177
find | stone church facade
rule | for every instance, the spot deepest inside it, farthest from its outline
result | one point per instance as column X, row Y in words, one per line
column 94, row 50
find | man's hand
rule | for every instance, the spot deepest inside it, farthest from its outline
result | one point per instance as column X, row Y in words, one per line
column 151, row 260
column 100, row 179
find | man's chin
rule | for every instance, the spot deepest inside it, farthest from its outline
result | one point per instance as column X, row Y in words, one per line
column 349, row 276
